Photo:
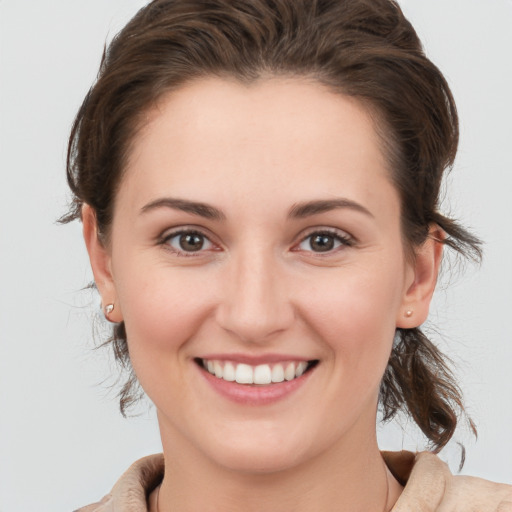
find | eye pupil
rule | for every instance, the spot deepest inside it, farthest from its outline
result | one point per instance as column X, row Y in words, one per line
column 191, row 242
column 322, row 243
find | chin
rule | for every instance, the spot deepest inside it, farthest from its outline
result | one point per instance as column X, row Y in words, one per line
column 254, row 454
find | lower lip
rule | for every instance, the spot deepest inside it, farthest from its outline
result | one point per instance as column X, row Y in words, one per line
column 250, row 394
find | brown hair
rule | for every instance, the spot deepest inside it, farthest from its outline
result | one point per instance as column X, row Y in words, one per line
column 366, row 49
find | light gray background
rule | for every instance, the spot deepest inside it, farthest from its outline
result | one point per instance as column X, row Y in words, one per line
column 62, row 441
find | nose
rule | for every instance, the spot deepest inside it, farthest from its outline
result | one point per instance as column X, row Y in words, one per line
column 255, row 305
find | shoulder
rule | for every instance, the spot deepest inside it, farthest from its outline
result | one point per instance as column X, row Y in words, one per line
column 130, row 492
column 430, row 487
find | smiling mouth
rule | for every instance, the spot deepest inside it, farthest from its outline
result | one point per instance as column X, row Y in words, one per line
column 262, row 374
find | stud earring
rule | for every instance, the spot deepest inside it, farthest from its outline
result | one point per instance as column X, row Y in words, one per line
column 108, row 309
column 408, row 313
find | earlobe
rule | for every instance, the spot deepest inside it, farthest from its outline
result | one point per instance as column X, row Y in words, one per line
column 100, row 259
column 420, row 288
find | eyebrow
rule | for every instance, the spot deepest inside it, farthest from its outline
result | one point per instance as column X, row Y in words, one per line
column 298, row 211
column 307, row 209
column 196, row 208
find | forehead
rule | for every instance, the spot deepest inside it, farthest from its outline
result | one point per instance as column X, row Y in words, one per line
column 275, row 134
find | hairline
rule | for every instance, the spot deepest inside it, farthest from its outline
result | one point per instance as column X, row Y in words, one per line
column 385, row 135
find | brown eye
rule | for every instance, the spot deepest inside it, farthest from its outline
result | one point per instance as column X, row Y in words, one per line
column 324, row 241
column 191, row 242
column 188, row 242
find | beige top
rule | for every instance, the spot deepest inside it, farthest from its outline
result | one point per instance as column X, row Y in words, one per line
column 429, row 487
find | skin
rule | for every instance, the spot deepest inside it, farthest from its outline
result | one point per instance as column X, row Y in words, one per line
column 260, row 287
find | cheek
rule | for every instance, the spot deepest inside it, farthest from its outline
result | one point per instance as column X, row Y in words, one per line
column 354, row 313
column 162, row 310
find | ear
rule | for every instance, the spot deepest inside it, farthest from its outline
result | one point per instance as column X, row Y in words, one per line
column 100, row 258
column 421, row 280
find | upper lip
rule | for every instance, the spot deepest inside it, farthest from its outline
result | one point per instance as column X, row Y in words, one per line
column 254, row 360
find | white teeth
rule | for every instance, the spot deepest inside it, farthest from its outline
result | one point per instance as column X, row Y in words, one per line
column 301, row 368
column 278, row 373
column 289, row 373
column 262, row 374
column 244, row 374
column 217, row 368
column 229, row 372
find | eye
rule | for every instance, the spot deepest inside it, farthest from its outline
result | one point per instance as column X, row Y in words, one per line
column 188, row 241
column 324, row 241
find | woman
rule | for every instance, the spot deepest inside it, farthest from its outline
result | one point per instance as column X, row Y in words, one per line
column 258, row 183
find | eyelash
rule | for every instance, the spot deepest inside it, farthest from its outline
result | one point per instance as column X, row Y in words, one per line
column 165, row 241
column 341, row 237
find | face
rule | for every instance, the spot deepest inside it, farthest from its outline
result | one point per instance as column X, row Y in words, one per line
column 256, row 236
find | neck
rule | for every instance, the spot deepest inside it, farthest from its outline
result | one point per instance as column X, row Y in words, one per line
column 351, row 476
